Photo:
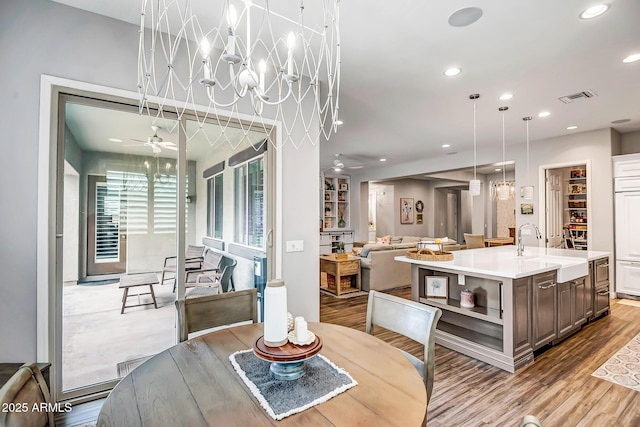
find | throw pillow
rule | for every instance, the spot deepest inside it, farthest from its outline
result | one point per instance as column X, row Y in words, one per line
column 384, row 240
column 356, row 251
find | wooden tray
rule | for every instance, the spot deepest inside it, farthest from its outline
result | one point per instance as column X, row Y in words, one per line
column 425, row 254
column 288, row 352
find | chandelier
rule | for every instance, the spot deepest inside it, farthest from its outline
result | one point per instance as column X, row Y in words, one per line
column 243, row 60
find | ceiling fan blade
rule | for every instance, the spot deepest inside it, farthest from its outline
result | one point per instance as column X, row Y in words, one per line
column 137, row 140
column 166, row 144
column 170, row 147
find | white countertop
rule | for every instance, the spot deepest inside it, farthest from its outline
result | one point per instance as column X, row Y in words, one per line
column 502, row 261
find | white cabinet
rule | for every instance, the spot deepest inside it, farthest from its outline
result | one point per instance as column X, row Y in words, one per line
column 628, row 277
column 330, row 240
column 628, row 165
column 628, row 226
column 335, row 203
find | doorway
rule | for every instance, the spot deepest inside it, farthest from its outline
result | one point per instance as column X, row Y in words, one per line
column 118, row 211
column 566, row 205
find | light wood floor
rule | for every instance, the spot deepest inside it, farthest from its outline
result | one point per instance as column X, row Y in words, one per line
column 557, row 388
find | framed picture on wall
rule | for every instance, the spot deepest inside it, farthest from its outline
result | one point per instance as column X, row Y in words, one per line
column 418, row 218
column 406, row 211
column 526, row 208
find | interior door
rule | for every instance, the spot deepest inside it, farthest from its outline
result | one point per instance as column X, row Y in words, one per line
column 106, row 240
column 554, row 208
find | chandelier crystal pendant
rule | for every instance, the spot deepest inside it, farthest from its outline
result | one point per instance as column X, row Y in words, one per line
column 504, row 189
column 474, row 184
column 243, row 60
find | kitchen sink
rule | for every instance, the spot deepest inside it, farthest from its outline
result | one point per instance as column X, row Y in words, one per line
column 570, row 268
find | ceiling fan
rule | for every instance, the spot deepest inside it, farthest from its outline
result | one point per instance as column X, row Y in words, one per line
column 157, row 143
column 339, row 163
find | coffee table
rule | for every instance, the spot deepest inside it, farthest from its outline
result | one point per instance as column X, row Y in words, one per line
column 133, row 280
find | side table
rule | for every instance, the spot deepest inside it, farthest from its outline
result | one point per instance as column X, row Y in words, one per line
column 339, row 269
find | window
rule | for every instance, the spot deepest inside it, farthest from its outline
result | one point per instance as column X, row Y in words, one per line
column 133, row 188
column 249, row 203
column 214, row 206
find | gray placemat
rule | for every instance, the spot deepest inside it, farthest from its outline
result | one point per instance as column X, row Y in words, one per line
column 322, row 381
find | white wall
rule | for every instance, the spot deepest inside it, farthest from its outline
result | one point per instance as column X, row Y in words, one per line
column 43, row 37
column 388, row 195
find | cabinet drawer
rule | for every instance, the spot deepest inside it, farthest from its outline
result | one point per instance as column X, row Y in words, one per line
column 350, row 267
column 629, row 167
column 627, row 184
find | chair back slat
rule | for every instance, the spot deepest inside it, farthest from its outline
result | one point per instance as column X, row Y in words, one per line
column 473, row 241
column 409, row 318
column 197, row 314
column 194, row 251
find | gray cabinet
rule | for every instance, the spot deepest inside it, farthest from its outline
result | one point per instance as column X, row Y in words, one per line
column 579, row 295
column 545, row 309
column 600, row 283
column 589, row 293
column 565, row 309
column 521, row 314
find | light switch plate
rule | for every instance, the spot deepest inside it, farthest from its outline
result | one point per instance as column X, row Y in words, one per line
column 461, row 279
column 294, row 246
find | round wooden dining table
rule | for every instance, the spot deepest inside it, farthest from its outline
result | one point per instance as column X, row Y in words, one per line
column 194, row 384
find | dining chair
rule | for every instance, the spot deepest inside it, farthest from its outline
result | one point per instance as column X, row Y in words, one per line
column 224, row 278
column 197, row 314
column 474, row 241
column 194, row 257
column 409, row 318
column 26, row 387
column 530, row 421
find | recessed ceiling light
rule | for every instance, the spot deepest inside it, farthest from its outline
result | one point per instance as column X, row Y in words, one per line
column 572, row 127
column 339, row 122
column 619, row 122
column 452, row 72
column 594, row 11
column 115, row 140
column 506, row 96
column 544, row 114
column 465, row 16
column 632, row 58
column 383, row 159
column 446, row 145
column 497, row 169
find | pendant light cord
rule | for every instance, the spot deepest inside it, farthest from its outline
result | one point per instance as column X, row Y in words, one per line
column 528, row 163
column 504, row 172
column 475, row 142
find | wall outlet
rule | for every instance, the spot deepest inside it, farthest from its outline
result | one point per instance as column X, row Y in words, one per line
column 294, row 246
column 461, row 279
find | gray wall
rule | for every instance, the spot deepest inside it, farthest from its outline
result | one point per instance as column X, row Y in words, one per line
column 630, row 143
column 42, row 37
column 596, row 146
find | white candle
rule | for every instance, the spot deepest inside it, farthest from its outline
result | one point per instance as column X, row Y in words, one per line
column 275, row 314
column 301, row 329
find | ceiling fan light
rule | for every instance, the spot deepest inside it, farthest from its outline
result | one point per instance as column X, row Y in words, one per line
column 474, row 187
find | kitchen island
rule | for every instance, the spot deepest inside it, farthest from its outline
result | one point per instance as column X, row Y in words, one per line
column 522, row 303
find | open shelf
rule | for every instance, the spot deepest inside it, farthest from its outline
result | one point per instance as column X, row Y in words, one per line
column 479, row 312
column 469, row 335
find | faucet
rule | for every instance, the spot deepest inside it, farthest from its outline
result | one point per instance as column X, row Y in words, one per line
column 520, row 245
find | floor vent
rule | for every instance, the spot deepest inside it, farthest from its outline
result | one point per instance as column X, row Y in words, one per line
column 568, row 99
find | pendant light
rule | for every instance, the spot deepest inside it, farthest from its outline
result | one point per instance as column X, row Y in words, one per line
column 474, row 184
column 527, row 191
column 503, row 189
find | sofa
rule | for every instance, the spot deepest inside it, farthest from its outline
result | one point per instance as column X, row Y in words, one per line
column 378, row 268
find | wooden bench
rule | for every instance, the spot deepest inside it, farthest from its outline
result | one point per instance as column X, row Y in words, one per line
column 133, row 280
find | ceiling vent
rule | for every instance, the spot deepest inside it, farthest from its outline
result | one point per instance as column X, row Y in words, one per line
column 568, row 99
